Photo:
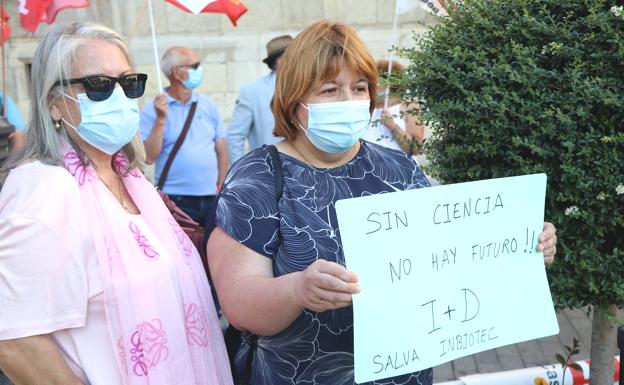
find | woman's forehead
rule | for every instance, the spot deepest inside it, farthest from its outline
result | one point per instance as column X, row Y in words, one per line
column 99, row 57
column 342, row 73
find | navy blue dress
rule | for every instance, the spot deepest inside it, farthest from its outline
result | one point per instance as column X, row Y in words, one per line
column 317, row 348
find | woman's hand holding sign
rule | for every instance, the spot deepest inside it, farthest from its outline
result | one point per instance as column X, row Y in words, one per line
column 326, row 285
column 548, row 243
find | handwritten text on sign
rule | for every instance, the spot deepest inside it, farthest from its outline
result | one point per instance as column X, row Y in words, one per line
column 445, row 272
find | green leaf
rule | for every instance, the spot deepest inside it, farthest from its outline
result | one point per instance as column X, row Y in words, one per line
column 575, row 366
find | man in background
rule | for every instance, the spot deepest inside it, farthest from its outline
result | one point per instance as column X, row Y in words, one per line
column 198, row 169
column 252, row 119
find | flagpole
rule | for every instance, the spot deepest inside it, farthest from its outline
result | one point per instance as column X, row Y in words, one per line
column 156, row 58
column 394, row 28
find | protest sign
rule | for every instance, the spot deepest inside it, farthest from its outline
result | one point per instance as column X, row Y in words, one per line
column 445, row 272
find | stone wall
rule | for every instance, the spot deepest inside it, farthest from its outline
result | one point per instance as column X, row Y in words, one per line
column 231, row 56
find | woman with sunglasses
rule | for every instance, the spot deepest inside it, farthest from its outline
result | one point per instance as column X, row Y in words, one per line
column 276, row 257
column 98, row 284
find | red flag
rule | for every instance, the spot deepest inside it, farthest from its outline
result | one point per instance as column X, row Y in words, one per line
column 33, row 12
column 234, row 9
column 6, row 29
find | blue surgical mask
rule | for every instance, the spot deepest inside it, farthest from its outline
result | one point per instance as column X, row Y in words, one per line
column 107, row 125
column 335, row 127
column 195, row 78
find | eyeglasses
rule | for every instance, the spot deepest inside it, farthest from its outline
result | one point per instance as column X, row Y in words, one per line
column 100, row 87
column 193, row 66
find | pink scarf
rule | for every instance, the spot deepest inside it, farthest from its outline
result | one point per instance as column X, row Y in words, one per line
column 164, row 331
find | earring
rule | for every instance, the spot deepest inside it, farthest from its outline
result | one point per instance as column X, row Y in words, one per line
column 57, row 124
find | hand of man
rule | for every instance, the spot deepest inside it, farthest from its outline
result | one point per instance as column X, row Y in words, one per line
column 162, row 106
column 388, row 119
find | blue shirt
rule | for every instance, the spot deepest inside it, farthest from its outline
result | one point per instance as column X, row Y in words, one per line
column 194, row 170
column 13, row 114
column 252, row 119
column 317, row 348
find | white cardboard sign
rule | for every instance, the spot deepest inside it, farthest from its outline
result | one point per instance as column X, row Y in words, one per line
column 445, row 272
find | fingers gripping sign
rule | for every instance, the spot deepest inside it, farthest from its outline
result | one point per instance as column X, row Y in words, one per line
column 326, row 285
column 548, row 242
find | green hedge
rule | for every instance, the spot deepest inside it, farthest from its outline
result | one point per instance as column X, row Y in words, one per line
column 519, row 87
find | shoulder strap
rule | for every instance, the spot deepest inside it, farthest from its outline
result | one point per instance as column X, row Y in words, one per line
column 279, row 189
column 277, row 170
column 211, row 219
column 176, row 146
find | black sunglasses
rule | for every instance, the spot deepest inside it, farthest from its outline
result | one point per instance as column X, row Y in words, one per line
column 193, row 66
column 100, row 87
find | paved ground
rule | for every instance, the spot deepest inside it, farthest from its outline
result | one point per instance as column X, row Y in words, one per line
column 572, row 323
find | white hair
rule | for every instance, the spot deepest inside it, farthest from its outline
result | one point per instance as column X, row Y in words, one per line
column 172, row 58
column 54, row 59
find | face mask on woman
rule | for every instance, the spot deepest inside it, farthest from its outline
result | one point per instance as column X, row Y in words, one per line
column 107, row 125
column 195, row 78
column 335, row 127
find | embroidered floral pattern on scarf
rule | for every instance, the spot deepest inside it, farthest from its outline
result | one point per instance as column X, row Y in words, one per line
column 160, row 313
column 149, row 347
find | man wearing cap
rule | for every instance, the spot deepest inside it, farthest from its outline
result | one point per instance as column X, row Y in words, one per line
column 192, row 175
column 252, row 119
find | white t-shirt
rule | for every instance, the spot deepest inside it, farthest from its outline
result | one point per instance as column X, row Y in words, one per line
column 378, row 133
column 49, row 275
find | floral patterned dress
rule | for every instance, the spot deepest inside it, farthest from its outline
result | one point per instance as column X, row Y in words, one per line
column 317, row 348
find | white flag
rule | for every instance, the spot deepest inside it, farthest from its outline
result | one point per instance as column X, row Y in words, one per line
column 406, row 5
column 432, row 6
column 195, row 6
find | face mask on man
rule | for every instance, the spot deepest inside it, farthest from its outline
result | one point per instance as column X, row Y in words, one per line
column 107, row 125
column 195, row 78
column 335, row 127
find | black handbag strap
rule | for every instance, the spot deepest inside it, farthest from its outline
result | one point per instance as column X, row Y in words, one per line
column 279, row 189
column 176, row 146
column 277, row 172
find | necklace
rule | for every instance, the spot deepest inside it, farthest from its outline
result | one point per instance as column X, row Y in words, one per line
column 119, row 198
